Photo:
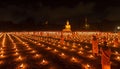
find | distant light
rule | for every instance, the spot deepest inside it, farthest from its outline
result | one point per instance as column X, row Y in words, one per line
column 118, row 27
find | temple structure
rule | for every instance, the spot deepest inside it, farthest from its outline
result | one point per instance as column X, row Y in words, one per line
column 67, row 27
column 86, row 24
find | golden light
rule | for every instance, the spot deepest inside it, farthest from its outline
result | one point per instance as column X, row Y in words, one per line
column 2, row 52
column 118, row 58
column 72, row 49
column 38, row 44
column 81, row 49
column 55, row 51
column 44, row 62
column 33, row 51
column 73, row 59
column 42, row 45
column 64, row 47
column 80, row 52
column 87, row 66
column 1, row 48
column 86, row 46
column 16, row 50
column 37, row 56
column 1, row 62
column 1, row 55
column 116, row 53
column 19, row 58
column 22, row 66
column 14, row 47
column 62, row 55
column 91, row 56
column 59, row 46
column 48, row 48
column 16, row 53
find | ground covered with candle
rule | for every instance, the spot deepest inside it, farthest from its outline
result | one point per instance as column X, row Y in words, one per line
column 34, row 51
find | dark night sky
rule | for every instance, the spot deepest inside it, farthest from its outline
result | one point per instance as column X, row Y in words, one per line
column 57, row 11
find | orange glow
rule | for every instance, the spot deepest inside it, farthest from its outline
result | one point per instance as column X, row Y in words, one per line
column 33, row 51
column 118, row 58
column 116, row 53
column 19, row 58
column 22, row 66
column 62, row 55
column 64, row 47
column 73, row 59
column 44, row 62
column 16, row 54
column 80, row 52
column 72, row 49
column 81, row 49
column 55, row 51
column 48, row 48
column 37, row 56
column 29, row 48
column 91, row 56
column 1, row 62
column 87, row 66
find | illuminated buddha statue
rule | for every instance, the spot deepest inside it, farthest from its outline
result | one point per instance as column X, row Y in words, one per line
column 67, row 26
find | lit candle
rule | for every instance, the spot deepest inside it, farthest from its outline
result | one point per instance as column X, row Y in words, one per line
column 22, row 66
column 37, row 56
column 29, row 48
column 55, row 50
column 16, row 53
column 1, row 55
column 91, row 56
column 116, row 53
column 48, row 48
column 59, row 46
column 86, row 47
column 33, row 51
column 87, row 66
column 118, row 58
column 63, row 55
column 72, row 49
column 80, row 52
column 1, row 62
column 73, row 59
column 44, row 62
column 64, row 47
column 81, row 49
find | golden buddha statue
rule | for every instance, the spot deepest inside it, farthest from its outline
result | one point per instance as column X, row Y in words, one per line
column 67, row 26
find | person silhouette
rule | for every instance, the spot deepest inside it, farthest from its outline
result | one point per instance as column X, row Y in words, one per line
column 105, row 56
column 95, row 46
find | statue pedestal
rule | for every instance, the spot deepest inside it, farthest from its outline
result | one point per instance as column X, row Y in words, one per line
column 67, row 30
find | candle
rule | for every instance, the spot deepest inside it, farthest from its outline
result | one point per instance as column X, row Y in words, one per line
column 44, row 62
column 118, row 58
column 80, row 52
column 91, row 56
column 116, row 53
column 48, row 48
column 87, row 66
column 62, row 55
column 64, row 47
column 22, row 66
column 37, row 56
column 73, row 59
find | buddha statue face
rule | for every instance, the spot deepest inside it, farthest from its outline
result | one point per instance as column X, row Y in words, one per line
column 67, row 22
